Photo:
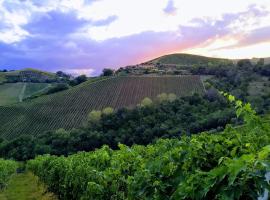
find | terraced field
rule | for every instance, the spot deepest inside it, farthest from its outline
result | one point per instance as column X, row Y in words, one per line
column 69, row 109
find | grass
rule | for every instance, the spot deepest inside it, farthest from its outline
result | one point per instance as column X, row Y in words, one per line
column 69, row 109
column 187, row 59
column 25, row 186
column 34, row 88
column 11, row 93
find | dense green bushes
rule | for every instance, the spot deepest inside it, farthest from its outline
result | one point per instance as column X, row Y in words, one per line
column 228, row 165
column 7, row 168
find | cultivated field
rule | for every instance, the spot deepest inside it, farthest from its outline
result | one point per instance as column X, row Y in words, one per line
column 11, row 93
column 70, row 108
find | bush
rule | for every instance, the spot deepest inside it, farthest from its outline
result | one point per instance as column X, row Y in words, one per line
column 59, row 87
column 7, row 168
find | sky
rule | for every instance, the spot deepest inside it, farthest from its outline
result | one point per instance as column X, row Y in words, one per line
column 85, row 36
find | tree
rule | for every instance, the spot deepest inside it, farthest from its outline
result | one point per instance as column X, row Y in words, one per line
column 59, row 87
column 108, row 72
column 80, row 79
column 107, row 111
column 260, row 62
column 94, row 116
column 146, row 102
column 172, row 97
column 244, row 64
column 62, row 74
column 162, row 97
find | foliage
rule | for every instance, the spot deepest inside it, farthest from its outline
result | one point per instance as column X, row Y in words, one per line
column 107, row 111
column 107, row 72
column 228, row 165
column 7, row 168
column 146, row 102
column 78, row 80
column 94, row 116
column 57, row 88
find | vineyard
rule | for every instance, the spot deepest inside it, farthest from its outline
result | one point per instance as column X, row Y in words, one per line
column 68, row 109
column 233, row 164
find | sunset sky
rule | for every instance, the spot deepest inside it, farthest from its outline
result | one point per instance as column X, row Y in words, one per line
column 84, row 36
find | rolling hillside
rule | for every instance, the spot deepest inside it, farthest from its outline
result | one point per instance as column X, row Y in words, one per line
column 186, row 59
column 68, row 109
column 25, row 74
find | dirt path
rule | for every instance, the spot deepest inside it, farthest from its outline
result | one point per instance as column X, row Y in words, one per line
column 25, row 186
column 21, row 95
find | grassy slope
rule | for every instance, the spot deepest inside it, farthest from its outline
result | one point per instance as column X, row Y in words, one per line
column 68, row 109
column 34, row 88
column 186, row 59
column 25, row 187
column 10, row 92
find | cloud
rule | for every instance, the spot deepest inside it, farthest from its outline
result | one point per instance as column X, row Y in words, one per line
column 105, row 22
column 54, row 23
column 73, row 35
column 170, row 9
column 79, row 71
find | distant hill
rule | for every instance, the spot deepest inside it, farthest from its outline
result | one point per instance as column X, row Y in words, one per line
column 172, row 64
column 186, row 59
column 26, row 74
column 69, row 109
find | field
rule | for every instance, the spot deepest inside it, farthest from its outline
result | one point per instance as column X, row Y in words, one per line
column 69, row 109
column 11, row 93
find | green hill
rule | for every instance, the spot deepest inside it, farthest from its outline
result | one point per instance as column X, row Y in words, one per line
column 186, row 59
column 69, row 109
column 25, row 74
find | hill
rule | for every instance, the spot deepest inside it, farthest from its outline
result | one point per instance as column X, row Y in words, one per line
column 186, row 59
column 27, row 74
column 174, row 64
column 69, row 109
